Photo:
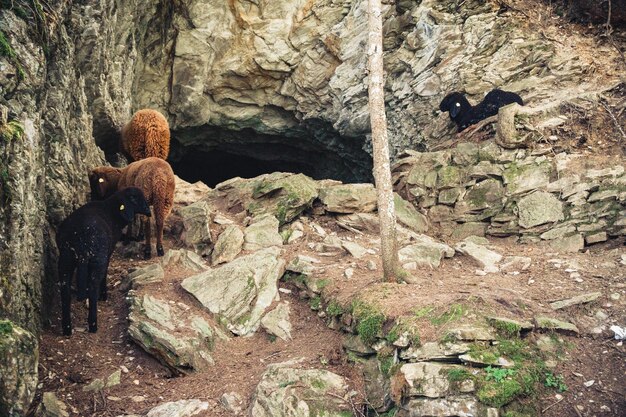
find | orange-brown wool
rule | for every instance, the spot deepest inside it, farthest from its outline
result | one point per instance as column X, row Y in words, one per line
column 153, row 176
column 146, row 134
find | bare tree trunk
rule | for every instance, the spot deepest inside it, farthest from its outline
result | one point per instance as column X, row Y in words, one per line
column 380, row 143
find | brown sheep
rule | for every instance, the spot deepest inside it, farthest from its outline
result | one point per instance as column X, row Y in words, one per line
column 146, row 134
column 154, row 177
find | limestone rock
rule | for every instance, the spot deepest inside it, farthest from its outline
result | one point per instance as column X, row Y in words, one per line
column 51, row 406
column 523, row 178
column 434, row 351
column 505, row 323
column 19, row 358
column 426, row 379
column 285, row 196
column 232, row 402
column 549, row 323
column 285, row 390
column 425, row 252
column 409, row 216
column 147, row 275
column 168, row 332
column 573, row 243
column 538, row 208
column 464, row 230
column 376, row 384
column 185, row 259
column 480, row 254
column 354, row 344
column 482, row 360
column 354, row 249
column 276, row 322
column 262, row 233
column 579, row 299
column 472, row 333
column 302, row 264
column 446, row 407
column 240, row 291
column 182, row 408
column 515, row 263
column 196, row 234
column 349, row 198
column 228, row 245
column 186, row 193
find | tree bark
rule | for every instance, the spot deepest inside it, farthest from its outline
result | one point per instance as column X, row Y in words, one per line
column 380, row 144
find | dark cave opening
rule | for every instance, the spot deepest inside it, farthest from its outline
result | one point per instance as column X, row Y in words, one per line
column 213, row 154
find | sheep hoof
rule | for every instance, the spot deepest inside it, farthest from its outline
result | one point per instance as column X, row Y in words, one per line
column 67, row 331
column 93, row 328
column 147, row 253
column 160, row 251
column 103, row 297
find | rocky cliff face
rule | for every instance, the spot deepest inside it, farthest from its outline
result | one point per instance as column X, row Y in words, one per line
column 280, row 81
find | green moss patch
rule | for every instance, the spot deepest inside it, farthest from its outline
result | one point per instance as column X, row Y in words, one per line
column 6, row 327
column 369, row 321
column 498, row 394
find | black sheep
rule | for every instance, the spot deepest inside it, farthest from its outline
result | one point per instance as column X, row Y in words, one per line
column 464, row 114
column 86, row 239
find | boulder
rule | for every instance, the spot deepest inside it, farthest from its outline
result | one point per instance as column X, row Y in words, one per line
column 182, row 408
column 19, row 359
column 167, row 331
column 240, row 291
column 262, row 233
column 288, row 391
column 349, row 198
column 196, row 234
column 228, row 245
column 539, row 208
column 276, row 322
column 283, row 195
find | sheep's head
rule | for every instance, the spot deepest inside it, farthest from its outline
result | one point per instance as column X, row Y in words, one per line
column 455, row 103
column 103, row 182
column 131, row 201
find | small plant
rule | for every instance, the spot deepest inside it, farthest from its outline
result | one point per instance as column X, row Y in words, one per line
column 555, row 381
column 423, row 312
column 369, row 321
column 315, row 302
column 498, row 374
column 459, row 374
column 11, row 131
column 455, row 312
column 334, row 309
column 497, row 394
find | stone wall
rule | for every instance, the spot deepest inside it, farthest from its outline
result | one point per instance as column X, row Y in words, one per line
column 478, row 189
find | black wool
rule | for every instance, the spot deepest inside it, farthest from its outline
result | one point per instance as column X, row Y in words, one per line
column 86, row 239
column 464, row 114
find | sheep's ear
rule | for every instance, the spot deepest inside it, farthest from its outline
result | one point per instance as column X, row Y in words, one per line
column 455, row 109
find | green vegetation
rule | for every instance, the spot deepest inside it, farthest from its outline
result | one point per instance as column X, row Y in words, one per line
column 423, row 312
column 391, row 413
column 334, row 309
column 11, row 131
column 295, row 278
column 498, row 374
column 459, row 375
column 505, row 328
column 369, row 321
column 315, row 302
column 404, row 325
column 5, row 47
column 318, row 384
column 286, row 384
column 6, row 327
column 555, row 381
column 497, row 394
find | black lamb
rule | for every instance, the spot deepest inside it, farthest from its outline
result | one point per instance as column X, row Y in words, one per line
column 86, row 239
column 464, row 114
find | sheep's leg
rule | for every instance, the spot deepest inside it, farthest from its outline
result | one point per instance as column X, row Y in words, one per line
column 159, row 233
column 97, row 274
column 104, row 295
column 66, row 271
column 128, row 236
column 147, row 251
column 140, row 235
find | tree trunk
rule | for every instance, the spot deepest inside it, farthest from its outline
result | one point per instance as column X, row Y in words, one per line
column 380, row 143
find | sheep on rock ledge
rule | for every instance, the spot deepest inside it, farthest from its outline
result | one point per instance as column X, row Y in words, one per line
column 154, row 177
column 464, row 114
column 86, row 239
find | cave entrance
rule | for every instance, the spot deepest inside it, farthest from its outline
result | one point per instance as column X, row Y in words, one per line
column 213, row 155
